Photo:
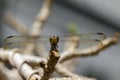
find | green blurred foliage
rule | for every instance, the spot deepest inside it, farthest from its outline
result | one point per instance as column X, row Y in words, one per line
column 72, row 28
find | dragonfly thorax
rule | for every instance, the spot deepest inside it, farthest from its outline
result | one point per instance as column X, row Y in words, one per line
column 54, row 43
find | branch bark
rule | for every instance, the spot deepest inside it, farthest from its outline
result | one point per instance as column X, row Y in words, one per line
column 3, row 76
column 66, row 73
column 22, row 28
column 41, row 18
column 38, row 24
column 52, row 61
column 19, row 62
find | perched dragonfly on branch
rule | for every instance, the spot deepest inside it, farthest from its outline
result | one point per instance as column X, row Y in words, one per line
column 85, row 40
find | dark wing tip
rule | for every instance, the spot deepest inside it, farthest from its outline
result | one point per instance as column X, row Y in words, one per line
column 10, row 36
column 104, row 36
column 100, row 33
column 6, row 40
column 97, row 40
column 9, row 43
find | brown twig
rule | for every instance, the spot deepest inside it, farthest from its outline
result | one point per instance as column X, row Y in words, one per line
column 52, row 61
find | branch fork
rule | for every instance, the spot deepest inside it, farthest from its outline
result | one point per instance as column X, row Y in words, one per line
column 25, row 63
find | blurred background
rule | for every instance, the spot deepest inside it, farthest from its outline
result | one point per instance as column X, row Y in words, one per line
column 89, row 15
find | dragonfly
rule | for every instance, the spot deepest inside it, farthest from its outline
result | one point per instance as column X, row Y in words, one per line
column 85, row 40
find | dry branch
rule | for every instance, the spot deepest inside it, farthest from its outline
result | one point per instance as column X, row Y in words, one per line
column 66, row 73
column 69, row 78
column 3, row 75
column 24, row 63
column 36, row 61
column 52, row 61
column 16, row 24
column 90, row 51
column 41, row 18
column 7, row 73
column 38, row 24
column 19, row 62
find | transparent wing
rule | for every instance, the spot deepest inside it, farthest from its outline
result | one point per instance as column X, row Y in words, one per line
column 85, row 40
column 90, row 36
column 15, row 42
column 84, row 44
column 21, row 41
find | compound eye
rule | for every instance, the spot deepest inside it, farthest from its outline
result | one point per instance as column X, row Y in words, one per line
column 54, row 39
column 57, row 38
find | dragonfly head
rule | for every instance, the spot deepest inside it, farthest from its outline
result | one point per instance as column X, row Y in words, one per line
column 54, row 39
